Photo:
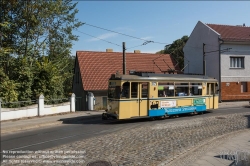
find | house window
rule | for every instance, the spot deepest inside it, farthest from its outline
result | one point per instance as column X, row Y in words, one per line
column 236, row 62
column 243, row 87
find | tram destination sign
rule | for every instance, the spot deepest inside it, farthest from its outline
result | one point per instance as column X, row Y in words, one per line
column 169, row 103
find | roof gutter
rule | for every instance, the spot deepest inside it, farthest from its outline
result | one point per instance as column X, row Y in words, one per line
column 221, row 42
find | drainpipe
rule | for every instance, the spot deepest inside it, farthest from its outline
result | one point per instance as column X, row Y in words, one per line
column 221, row 42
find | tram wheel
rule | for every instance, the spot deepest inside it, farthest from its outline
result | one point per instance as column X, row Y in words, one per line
column 161, row 117
column 153, row 118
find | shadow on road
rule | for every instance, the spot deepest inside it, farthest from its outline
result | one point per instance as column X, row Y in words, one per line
column 97, row 119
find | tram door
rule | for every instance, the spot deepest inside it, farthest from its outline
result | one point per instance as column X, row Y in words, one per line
column 139, row 99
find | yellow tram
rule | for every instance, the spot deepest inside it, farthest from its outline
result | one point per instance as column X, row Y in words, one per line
column 159, row 95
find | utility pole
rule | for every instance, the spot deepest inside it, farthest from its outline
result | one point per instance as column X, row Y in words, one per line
column 204, row 61
column 124, row 57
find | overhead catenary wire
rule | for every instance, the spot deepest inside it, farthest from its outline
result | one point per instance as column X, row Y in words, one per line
column 122, row 33
column 134, row 47
column 112, row 42
column 99, row 38
column 146, row 41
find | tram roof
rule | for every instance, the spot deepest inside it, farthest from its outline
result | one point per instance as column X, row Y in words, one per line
column 164, row 77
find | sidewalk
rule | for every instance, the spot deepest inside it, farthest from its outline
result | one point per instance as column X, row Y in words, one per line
column 234, row 151
column 51, row 120
column 234, row 104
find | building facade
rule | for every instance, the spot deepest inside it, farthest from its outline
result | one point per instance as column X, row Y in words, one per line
column 222, row 52
column 93, row 70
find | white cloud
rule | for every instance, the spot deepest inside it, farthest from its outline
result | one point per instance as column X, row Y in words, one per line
column 103, row 36
column 150, row 50
column 147, row 37
column 126, row 29
column 144, row 38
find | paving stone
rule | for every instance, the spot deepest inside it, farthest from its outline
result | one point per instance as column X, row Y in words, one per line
column 163, row 143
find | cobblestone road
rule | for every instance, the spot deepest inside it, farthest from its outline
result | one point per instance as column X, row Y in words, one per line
column 172, row 143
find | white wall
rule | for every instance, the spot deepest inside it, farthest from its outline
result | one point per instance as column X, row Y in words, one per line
column 234, row 75
column 37, row 110
column 24, row 112
column 16, row 113
column 193, row 51
column 55, row 109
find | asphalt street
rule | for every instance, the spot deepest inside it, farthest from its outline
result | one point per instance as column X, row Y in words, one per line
column 75, row 130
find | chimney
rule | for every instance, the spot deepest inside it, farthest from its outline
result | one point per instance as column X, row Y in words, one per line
column 109, row 50
column 137, row 51
column 244, row 24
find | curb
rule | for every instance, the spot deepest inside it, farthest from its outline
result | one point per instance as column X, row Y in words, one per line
column 234, row 106
column 51, row 123
column 11, row 130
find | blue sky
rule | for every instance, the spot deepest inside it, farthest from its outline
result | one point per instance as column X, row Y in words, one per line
column 158, row 21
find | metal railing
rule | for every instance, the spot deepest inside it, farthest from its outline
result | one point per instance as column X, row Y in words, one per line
column 18, row 104
column 56, row 101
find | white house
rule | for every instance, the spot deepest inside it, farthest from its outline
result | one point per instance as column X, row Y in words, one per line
column 222, row 52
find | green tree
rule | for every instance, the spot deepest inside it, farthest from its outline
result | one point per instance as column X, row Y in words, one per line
column 176, row 50
column 49, row 79
column 36, row 39
column 8, row 88
column 23, row 75
column 69, row 80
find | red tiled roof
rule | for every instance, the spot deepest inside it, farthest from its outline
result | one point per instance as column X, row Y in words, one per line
column 97, row 67
column 232, row 33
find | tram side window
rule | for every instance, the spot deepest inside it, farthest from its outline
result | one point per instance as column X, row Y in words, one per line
column 165, row 89
column 144, row 90
column 196, row 89
column 181, row 89
column 134, row 90
column 125, row 90
column 210, row 89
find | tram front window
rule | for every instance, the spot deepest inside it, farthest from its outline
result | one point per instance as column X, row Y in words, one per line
column 114, row 92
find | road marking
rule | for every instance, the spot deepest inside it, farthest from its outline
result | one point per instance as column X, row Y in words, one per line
column 47, row 141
